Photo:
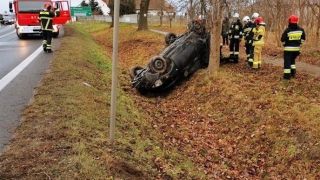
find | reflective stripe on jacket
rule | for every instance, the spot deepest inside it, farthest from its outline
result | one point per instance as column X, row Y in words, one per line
column 236, row 29
column 293, row 37
column 46, row 19
column 248, row 33
column 258, row 38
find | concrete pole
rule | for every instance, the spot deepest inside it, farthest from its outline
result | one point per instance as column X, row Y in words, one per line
column 114, row 69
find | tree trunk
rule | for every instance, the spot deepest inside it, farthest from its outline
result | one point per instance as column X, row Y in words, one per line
column 143, row 19
column 318, row 26
column 214, row 62
column 316, row 13
column 112, row 21
column 191, row 12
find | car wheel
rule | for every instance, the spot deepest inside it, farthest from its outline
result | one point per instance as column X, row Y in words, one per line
column 170, row 38
column 20, row 36
column 158, row 64
column 134, row 71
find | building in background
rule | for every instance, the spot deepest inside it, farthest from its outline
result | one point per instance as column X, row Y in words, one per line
column 156, row 7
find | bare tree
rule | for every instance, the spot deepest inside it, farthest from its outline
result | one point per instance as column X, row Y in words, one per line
column 171, row 13
column 191, row 10
column 126, row 7
column 161, row 4
column 143, row 17
column 316, row 11
column 216, row 16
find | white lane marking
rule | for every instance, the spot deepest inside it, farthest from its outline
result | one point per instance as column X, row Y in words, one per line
column 7, row 34
column 12, row 74
column 6, row 49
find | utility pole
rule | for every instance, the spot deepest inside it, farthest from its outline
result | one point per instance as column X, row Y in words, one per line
column 114, row 69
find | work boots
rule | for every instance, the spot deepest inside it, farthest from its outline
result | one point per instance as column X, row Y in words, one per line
column 293, row 73
column 287, row 76
column 44, row 47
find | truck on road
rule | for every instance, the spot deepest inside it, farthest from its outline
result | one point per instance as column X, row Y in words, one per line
column 27, row 14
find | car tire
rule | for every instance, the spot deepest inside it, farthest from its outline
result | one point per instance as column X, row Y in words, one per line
column 20, row 36
column 158, row 64
column 170, row 38
column 133, row 71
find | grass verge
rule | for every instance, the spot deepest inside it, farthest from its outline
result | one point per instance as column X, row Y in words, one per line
column 65, row 129
column 233, row 124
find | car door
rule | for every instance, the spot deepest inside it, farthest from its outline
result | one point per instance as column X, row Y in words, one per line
column 64, row 9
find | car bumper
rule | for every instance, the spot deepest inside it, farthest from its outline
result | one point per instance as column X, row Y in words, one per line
column 34, row 29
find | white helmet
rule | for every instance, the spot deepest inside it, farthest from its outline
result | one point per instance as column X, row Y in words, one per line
column 235, row 15
column 255, row 15
column 246, row 19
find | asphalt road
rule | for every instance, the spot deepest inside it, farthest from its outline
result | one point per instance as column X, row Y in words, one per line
column 22, row 66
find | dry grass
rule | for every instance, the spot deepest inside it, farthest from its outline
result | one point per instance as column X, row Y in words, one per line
column 64, row 133
column 234, row 124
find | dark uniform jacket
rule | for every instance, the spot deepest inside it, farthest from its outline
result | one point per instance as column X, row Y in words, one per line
column 248, row 32
column 235, row 31
column 293, row 37
column 46, row 19
column 225, row 28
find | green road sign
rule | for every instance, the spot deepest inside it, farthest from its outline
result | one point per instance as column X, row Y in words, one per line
column 80, row 11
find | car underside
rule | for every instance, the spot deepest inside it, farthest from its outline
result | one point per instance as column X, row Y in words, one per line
column 183, row 56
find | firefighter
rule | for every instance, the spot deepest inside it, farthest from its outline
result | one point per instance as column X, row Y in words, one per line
column 46, row 17
column 292, row 39
column 254, row 16
column 248, row 37
column 258, row 42
column 235, row 36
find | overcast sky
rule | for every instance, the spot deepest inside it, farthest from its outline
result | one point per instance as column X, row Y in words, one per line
column 4, row 4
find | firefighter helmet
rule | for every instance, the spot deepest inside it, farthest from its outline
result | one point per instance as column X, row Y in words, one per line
column 255, row 15
column 246, row 19
column 258, row 21
column 293, row 19
column 235, row 15
column 47, row 6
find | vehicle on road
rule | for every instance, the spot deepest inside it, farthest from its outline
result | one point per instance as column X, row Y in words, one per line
column 183, row 56
column 27, row 13
column 7, row 19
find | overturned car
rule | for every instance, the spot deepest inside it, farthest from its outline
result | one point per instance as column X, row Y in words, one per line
column 183, row 55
